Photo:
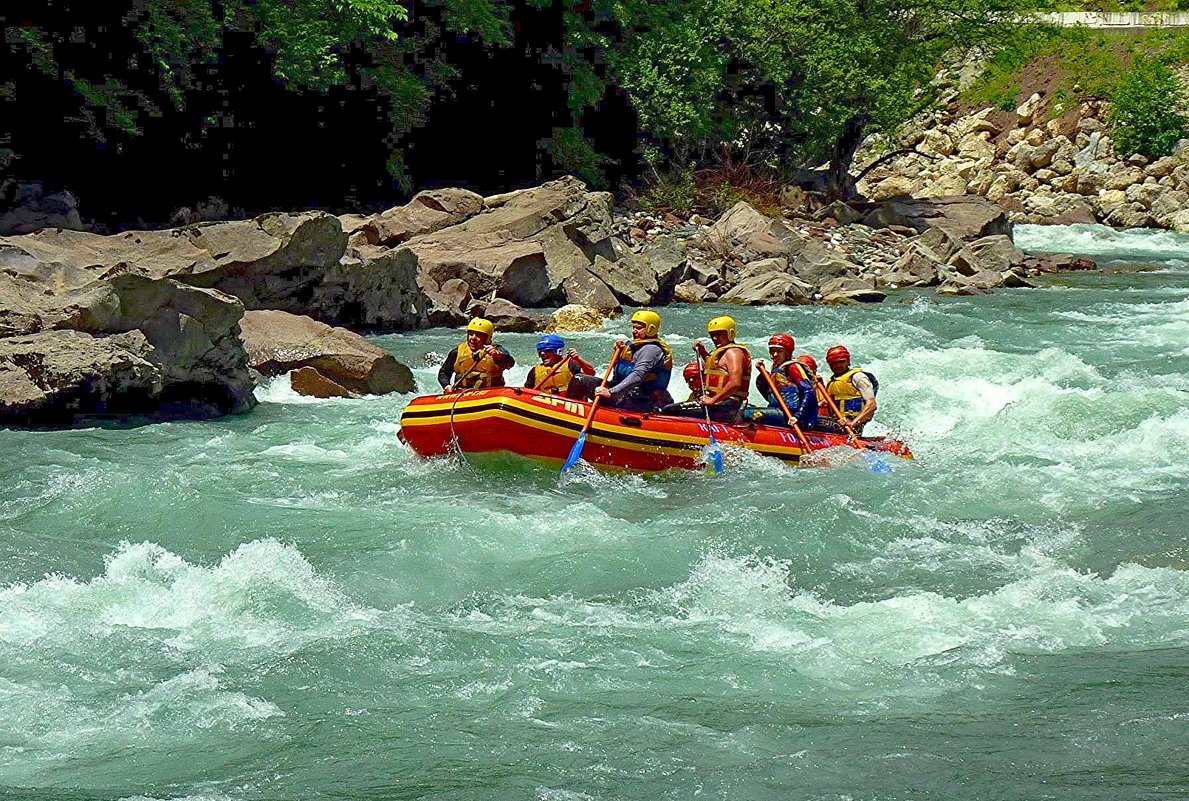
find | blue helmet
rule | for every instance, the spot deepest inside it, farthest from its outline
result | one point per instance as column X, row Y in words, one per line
column 551, row 342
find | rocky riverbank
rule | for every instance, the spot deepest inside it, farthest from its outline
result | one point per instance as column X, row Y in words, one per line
column 153, row 322
column 1043, row 163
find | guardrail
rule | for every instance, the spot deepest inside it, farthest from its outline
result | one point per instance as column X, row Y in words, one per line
column 1118, row 19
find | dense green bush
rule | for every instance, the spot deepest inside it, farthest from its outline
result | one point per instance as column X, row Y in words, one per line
column 1146, row 109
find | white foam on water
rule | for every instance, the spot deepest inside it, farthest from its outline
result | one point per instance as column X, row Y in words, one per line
column 1135, row 244
column 263, row 595
column 278, row 389
column 1054, row 608
column 177, row 798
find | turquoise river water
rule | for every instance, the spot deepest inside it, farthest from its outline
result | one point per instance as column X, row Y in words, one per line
column 289, row 605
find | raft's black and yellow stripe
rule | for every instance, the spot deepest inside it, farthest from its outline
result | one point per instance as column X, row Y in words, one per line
column 537, row 416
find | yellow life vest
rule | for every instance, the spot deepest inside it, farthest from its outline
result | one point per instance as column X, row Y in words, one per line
column 485, row 374
column 716, row 377
column 843, row 391
column 558, row 383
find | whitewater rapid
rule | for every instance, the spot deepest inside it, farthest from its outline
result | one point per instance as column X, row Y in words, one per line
column 290, row 605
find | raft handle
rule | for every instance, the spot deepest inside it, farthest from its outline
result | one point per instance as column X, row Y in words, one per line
column 630, row 421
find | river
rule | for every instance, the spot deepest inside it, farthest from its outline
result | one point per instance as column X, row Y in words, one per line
column 289, row 605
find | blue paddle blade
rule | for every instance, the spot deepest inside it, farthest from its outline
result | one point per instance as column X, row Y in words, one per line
column 714, row 464
column 876, row 463
column 575, row 453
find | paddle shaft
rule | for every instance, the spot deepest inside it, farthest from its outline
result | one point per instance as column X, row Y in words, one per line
column 551, row 373
column 785, row 408
column 716, row 456
column 595, row 405
column 820, row 388
column 461, row 378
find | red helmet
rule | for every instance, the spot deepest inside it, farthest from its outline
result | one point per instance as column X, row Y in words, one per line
column 808, row 361
column 782, row 341
column 838, row 353
column 691, row 372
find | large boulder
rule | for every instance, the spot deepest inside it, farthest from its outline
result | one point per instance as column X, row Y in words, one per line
column 770, row 288
column 816, row 264
column 917, row 266
column 525, row 246
column 744, row 229
column 507, row 316
column 575, row 317
column 966, row 217
column 297, row 262
column 59, row 376
column 842, row 291
column 691, row 291
column 427, row 212
column 278, row 342
column 188, row 336
column 997, row 253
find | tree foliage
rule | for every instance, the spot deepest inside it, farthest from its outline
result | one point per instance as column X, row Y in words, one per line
column 1146, row 109
column 798, row 81
column 777, row 83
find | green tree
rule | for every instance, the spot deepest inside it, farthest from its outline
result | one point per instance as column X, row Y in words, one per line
column 315, row 45
column 1146, row 109
column 803, row 81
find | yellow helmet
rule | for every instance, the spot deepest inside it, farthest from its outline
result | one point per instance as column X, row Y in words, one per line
column 723, row 323
column 482, row 326
column 651, row 320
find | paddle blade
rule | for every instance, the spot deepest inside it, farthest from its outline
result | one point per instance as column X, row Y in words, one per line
column 575, row 453
column 876, row 463
column 714, row 464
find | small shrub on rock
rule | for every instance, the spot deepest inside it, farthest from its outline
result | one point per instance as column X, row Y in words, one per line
column 1146, row 110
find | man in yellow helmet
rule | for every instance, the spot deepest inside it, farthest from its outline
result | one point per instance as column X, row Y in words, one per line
column 727, row 373
column 641, row 376
column 477, row 363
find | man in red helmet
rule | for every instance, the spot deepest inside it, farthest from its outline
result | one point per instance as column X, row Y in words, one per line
column 852, row 389
column 692, row 405
column 692, row 374
column 794, row 383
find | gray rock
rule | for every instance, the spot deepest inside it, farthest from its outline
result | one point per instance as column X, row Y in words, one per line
column 742, row 228
column 447, row 303
column 527, row 246
column 631, row 279
column 965, row 217
column 995, row 253
column 816, row 263
column 278, row 342
column 770, row 288
column 850, row 290
column 917, row 266
column 427, row 212
column 60, row 376
column 692, row 292
column 507, row 316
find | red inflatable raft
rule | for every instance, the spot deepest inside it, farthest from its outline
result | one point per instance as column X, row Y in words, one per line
column 542, row 426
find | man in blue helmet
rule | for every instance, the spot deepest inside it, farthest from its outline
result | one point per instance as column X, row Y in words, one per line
column 559, row 368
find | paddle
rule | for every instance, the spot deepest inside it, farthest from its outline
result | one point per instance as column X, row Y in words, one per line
column 454, row 386
column 550, row 374
column 785, row 408
column 714, row 465
column 876, row 464
column 576, row 451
